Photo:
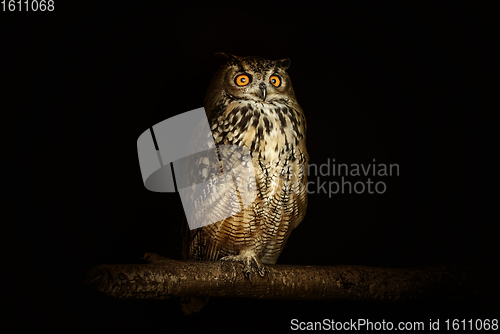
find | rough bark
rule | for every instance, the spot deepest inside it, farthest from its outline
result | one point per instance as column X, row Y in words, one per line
column 163, row 278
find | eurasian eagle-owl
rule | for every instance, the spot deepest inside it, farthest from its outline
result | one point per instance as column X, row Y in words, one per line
column 250, row 102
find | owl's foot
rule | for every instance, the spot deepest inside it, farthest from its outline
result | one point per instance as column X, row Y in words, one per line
column 248, row 258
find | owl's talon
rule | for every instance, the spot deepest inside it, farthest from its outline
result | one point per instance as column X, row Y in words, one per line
column 248, row 273
column 250, row 263
column 263, row 271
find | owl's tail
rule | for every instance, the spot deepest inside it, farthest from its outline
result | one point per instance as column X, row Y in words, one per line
column 190, row 305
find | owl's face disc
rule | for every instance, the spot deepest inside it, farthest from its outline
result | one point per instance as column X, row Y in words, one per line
column 257, row 79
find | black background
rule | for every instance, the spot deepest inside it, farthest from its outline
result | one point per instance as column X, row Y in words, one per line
column 412, row 85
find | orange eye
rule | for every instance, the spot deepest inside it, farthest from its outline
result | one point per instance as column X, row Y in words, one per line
column 275, row 80
column 242, row 80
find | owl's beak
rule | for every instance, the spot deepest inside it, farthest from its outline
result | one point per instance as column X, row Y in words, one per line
column 263, row 91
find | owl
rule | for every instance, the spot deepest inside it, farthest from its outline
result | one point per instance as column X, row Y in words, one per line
column 251, row 103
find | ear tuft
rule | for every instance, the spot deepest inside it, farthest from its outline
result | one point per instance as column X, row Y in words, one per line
column 284, row 63
column 229, row 58
column 221, row 55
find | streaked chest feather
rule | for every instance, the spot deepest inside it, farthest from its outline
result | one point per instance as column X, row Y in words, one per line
column 271, row 131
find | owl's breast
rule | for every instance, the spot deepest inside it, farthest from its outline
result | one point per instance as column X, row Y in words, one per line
column 271, row 131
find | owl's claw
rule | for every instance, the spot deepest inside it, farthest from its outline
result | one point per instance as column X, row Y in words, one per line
column 248, row 258
column 263, row 271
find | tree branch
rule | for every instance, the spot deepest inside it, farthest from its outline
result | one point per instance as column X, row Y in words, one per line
column 163, row 278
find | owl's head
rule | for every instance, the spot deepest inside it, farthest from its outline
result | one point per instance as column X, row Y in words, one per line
column 251, row 78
